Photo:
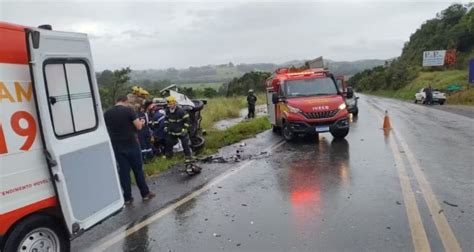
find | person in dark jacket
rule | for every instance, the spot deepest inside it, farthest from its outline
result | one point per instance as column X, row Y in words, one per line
column 158, row 129
column 176, row 127
column 144, row 135
column 251, row 100
column 429, row 95
column 122, row 125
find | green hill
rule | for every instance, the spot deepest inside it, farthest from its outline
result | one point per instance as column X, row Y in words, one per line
column 452, row 28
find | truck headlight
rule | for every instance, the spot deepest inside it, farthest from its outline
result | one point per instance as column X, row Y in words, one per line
column 293, row 109
column 342, row 106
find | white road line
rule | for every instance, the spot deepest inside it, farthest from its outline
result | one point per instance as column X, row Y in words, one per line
column 123, row 232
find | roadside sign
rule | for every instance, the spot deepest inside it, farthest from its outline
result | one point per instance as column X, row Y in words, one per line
column 434, row 58
column 471, row 71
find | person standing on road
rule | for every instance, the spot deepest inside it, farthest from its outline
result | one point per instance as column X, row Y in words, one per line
column 429, row 94
column 251, row 101
column 122, row 124
column 176, row 127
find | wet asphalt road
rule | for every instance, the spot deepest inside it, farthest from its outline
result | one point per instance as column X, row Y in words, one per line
column 411, row 188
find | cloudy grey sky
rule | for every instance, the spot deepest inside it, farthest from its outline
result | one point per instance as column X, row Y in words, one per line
column 162, row 34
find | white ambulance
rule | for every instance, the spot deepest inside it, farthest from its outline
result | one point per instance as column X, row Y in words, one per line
column 58, row 175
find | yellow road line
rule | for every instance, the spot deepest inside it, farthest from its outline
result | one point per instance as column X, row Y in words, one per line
column 124, row 233
column 446, row 234
column 418, row 234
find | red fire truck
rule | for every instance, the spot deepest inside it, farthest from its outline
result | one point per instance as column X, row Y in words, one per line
column 306, row 102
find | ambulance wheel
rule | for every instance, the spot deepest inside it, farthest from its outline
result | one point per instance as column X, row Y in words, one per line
column 38, row 233
column 287, row 133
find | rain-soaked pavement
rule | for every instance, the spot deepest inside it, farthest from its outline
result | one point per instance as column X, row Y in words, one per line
column 411, row 188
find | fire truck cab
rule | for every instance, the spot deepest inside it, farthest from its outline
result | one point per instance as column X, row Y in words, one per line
column 58, row 175
column 306, row 102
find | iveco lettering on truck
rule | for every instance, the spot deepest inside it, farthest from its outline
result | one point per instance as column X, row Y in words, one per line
column 58, row 175
column 306, row 102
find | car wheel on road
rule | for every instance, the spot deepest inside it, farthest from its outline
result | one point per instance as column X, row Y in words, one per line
column 441, row 102
column 341, row 133
column 287, row 133
column 415, row 101
column 37, row 233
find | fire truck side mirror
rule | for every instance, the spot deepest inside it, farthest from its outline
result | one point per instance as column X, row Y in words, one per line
column 275, row 98
column 350, row 93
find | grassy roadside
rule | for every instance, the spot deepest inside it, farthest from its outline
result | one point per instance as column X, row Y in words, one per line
column 224, row 108
column 218, row 109
column 439, row 80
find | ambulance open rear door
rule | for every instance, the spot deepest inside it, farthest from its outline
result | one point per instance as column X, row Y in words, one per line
column 77, row 146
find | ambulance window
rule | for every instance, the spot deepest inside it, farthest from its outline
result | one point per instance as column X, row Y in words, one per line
column 81, row 97
column 58, row 100
column 70, row 96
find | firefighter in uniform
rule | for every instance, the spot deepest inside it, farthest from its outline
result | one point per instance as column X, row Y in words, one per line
column 176, row 127
column 251, row 100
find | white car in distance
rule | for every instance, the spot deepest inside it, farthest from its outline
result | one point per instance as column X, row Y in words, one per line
column 438, row 97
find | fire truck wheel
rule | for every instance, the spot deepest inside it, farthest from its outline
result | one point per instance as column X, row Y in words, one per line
column 287, row 133
column 338, row 134
column 38, row 233
column 276, row 129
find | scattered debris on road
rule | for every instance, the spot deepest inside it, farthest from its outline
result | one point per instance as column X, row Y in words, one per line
column 239, row 156
column 398, row 203
column 449, row 204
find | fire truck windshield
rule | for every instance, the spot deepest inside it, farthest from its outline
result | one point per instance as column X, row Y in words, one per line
column 310, row 87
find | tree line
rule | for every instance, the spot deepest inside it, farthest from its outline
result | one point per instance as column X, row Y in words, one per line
column 117, row 82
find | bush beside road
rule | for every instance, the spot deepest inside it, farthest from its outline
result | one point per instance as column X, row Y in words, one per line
column 224, row 108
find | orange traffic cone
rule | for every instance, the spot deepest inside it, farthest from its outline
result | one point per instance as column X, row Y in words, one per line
column 386, row 121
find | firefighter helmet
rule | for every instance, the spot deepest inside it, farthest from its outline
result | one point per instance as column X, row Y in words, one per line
column 170, row 100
